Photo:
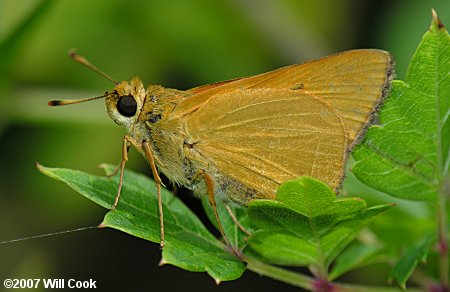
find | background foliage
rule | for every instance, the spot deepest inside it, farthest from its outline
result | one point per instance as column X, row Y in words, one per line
column 177, row 44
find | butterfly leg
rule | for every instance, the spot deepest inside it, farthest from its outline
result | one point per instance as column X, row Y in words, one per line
column 149, row 155
column 126, row 155
column 210, row 188
column 125, row 147
column 238, row 224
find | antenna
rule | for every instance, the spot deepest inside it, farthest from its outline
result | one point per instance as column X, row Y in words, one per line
column 83, row 61
column 72, row 101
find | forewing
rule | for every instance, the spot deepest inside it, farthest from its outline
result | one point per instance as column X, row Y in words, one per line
column 352, row 82
column 203, row 88
column 263, row 137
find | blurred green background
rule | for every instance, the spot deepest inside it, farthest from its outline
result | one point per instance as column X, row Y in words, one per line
column 179, row 44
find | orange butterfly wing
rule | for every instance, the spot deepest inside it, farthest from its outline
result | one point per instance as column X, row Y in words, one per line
column 353, row 82
column 263, row 137
column 297, row 120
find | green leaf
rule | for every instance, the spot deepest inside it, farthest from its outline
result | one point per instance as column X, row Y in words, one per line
column 306, row 225
column 407, row 156
column 188, row 244
column 356, row 256
column 408, row 262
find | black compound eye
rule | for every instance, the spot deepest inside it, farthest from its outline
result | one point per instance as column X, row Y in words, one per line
column 126, row 105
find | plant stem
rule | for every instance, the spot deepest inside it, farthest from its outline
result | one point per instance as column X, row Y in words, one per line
column 280, row 274
column 306, row 282
column 422, row 280
column 356, row 288
column 443, row 236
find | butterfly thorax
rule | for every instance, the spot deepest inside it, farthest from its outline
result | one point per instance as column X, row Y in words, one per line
column 166, row 138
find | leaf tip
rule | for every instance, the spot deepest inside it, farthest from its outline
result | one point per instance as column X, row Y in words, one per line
column 42, row 168
column 102, row 166
column 393, row 278
column 162, row 262
column 39, row 166
column 436, row 22
column 217, row 281
column 106, row 168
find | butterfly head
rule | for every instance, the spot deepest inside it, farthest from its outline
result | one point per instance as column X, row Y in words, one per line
column 125, row 101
